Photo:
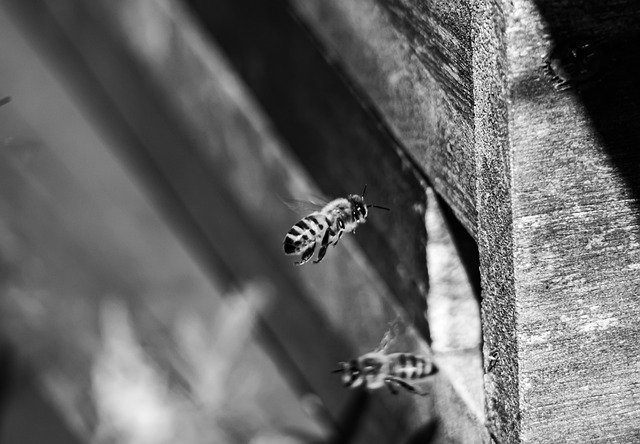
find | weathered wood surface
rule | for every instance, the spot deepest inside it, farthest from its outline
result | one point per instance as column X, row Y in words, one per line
column 495, row 238
column 364, row 38
column 412, row 62
column 230, row 140
column 558, row 213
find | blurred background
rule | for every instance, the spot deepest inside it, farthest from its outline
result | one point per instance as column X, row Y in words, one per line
column 149, row 152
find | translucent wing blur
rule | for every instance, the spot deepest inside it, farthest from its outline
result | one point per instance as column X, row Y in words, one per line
column 389, row 336
column 304, row 207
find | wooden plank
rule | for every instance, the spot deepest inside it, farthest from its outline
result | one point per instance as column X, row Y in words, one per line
column 557, row 203
column 412, row 62
column 495, row 236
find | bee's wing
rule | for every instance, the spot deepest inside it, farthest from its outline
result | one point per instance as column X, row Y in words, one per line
column 388, row 338
column 305, row 206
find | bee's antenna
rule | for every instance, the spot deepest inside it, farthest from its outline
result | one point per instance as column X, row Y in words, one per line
column 337, row 371
column 378, row 206
column 372, row 205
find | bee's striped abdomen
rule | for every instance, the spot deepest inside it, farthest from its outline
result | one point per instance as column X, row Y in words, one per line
column 304, row 234
column 409, row 366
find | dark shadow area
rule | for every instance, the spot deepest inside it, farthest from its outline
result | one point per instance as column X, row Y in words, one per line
column 26, row 416
column 597, row 54
column 351, row 419
column 6, row 376
column 425, row 434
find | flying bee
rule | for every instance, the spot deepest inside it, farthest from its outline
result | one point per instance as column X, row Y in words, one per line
column 375, row 370
column 326, row 226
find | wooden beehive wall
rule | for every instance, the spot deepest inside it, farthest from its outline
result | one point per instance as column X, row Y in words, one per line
column 505, row 185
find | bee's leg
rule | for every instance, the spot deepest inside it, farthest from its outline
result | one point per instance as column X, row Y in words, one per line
column 340, row 231
column 391, row 387
column 339, row 236
column 405, row 385
column 323, row 245
column 306, row 254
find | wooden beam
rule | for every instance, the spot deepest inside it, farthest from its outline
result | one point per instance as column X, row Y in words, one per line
column 495, row 239
column 410, row 63
column 557, row 218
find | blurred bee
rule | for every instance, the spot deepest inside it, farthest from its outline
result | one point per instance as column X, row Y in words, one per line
column 375, row 370
column 326, row 226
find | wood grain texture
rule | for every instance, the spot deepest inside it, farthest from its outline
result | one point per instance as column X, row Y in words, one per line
column 570, row 158
column 412, row 62
column 576, row 231
column 233, row 142
column 439, row 34
column 495, row 238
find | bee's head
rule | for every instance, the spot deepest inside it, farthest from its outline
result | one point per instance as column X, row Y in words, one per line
column 350, row 372
column 359, row 208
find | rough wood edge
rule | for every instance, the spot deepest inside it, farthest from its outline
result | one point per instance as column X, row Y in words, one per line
column 495, row 222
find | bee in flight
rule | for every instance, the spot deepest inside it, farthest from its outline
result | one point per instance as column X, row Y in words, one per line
column 326, row 226
column 374, row 370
